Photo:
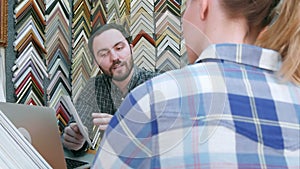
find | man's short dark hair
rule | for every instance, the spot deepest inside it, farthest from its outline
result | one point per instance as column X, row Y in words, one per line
column 106, row 27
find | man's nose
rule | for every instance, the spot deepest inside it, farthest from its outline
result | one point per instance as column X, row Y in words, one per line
column 114, row 54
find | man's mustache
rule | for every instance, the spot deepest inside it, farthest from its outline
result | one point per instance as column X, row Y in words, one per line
column 115, row 62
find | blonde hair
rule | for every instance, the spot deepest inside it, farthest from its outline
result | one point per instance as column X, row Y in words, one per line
column 284, row 36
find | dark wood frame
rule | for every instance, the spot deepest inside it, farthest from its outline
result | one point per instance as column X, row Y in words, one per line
column 3, row 23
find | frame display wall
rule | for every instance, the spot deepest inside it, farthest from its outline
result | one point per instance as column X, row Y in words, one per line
column 50, row 44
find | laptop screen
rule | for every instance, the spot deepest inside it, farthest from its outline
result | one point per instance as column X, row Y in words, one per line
column 39, row 126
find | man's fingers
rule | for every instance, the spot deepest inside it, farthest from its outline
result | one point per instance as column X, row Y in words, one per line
column 73, row 146
column 70, row 135
column 74, row 127
column 70, row 132
column 77, row 139
column 101, row 115
column 102, row 127
column 101, row 120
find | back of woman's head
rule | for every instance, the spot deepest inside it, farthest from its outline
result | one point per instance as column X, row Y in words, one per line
column 258, row 13
column 284, row 36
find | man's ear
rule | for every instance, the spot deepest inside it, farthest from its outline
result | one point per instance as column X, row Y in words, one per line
column 203, row 9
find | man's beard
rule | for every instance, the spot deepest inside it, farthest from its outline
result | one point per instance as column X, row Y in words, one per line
column 123, row 76
column 128, row 66
column 128, row 70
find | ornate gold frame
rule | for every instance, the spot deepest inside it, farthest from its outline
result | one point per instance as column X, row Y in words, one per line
column 3, row 23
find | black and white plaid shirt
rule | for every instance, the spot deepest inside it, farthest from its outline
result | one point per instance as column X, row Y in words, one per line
column 101, row 95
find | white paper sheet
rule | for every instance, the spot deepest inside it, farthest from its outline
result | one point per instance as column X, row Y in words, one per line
column 77, row 119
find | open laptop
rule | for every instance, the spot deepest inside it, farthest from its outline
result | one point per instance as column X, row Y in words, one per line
column 41, row 125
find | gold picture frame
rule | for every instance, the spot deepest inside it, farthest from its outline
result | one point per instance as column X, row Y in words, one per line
column 3, row 23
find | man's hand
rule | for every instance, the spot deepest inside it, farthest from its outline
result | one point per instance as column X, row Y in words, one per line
column 101, row 119
column 72, row 138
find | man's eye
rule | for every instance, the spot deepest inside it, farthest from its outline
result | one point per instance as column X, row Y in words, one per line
column 103, row 55
column 119, row 48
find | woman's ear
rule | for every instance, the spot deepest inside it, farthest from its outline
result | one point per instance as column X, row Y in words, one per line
column 203, row 9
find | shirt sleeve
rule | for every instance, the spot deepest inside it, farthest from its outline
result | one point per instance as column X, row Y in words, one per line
column 127, row 141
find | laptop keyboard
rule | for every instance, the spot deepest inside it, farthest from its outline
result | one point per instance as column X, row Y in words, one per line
column 71, row 163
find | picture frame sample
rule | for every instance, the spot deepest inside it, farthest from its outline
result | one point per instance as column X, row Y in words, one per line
column 3, row 23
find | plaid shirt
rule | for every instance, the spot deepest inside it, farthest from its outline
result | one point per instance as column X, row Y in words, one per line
column 101, row 95
column 228, row 111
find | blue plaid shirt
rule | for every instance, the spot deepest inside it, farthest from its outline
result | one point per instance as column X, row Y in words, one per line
column 229, row 110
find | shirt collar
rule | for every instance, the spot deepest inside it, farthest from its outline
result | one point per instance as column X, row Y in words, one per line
column 243, row 54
